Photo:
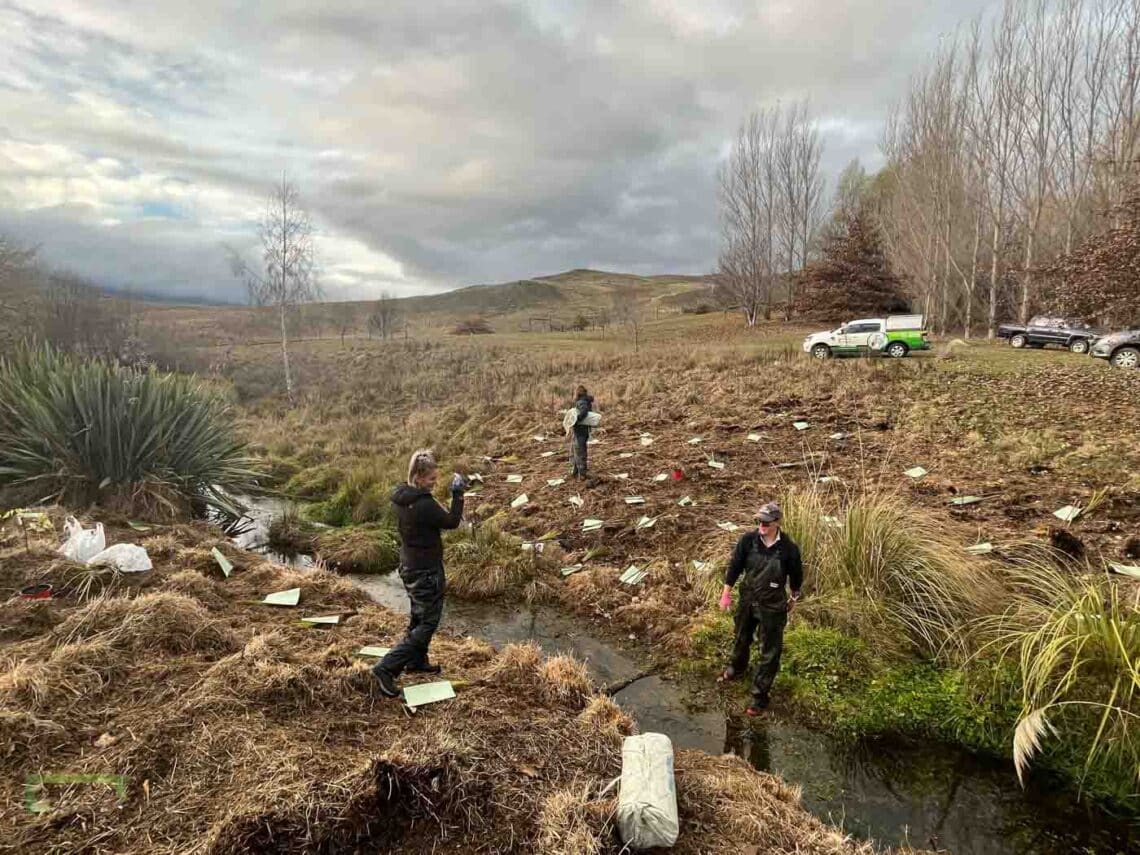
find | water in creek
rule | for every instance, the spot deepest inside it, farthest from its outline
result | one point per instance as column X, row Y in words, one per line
column 892, row 792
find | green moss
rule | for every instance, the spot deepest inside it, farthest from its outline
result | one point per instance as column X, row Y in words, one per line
column 332, row 512
column 840, row 683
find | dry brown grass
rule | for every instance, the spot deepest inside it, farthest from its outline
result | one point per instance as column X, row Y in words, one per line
column 55, row 680
column 565, row 680
column 193, row 584
column 739, row 806
column 166, row 621
column 573, row 824
column 603, row 717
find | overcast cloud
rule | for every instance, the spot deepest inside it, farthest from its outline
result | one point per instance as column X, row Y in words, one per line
column 436, row 144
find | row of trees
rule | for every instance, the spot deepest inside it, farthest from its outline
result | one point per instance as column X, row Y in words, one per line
column 771, row 204
column 1006, row 152
column 1019, row 141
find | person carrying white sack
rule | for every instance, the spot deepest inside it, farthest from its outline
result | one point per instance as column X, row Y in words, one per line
column 583, row 405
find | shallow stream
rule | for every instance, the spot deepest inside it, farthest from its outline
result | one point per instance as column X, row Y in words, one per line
column 927, row 796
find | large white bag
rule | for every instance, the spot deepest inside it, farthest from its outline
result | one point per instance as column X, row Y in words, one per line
column 570, row 418
column 124, row 557
column 82, row 543
column 647, row 806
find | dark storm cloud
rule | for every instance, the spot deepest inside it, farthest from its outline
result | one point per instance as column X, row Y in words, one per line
column 436, row 143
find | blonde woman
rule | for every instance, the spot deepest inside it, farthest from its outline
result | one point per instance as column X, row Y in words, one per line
column 420, row 520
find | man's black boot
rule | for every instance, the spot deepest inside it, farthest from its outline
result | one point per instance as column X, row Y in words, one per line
column 387, row 682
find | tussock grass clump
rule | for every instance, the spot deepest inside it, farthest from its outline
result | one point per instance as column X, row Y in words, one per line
column 565, row 680
column 79, row 431
column 1076, row 641
column 880, row 569
column 751, row 807
column 70, row 672
column 483, row 562
column 315, row 482
column 560, row 680
column 364, row 495
column 318, row 586
column 603, row 717
column 165, row 620
column 359, row 549
column 267, row 675
column 517, row 665
column 291, row 532
column 571, row 824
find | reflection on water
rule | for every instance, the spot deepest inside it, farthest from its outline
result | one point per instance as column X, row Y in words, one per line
column 252, row 530
column 895, row 793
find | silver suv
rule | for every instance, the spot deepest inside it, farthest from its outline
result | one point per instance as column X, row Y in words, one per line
column 1121, row 349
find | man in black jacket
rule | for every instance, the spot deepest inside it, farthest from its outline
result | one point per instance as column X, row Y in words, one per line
column 583, row 404
column 766, row 561
column 420, row 520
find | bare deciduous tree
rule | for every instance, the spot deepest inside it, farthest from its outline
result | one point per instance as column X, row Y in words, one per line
column 344, row 317
column 770, row 195
column 747, row 198
column 384, row 317
column 627, row 312
column 286, row 277
column 1006, row 151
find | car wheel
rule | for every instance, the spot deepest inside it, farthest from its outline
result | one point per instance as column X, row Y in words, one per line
column 897, row 350
column 1079, row 346
column 1018, row 341
column 1126, row 357
column 821, row 351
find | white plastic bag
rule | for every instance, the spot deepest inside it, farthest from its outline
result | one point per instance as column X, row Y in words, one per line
column 647, row 806
column 82, row 543
column 124, row 557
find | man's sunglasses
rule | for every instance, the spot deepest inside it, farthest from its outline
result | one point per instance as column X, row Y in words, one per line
column 773, row 522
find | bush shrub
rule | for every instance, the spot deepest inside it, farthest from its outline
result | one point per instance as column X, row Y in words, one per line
column 79, row 431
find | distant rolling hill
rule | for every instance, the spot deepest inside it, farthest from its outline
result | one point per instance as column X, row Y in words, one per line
column 560, row 297
column 543, row 302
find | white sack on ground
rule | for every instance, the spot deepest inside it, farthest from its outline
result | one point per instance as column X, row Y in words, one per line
column 124, row 557
column 647, row 806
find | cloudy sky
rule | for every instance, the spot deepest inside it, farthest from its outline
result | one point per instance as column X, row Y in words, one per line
column 437, row 143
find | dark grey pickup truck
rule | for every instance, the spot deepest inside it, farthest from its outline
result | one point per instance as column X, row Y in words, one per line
column 1072, row 333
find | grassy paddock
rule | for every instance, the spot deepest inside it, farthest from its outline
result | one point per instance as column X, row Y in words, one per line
column 1027, row 432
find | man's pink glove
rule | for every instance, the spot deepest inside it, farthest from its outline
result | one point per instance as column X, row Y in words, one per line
column 726, row 600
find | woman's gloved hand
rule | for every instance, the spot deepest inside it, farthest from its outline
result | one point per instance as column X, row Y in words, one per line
column 726, row 599
column 458, row 483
